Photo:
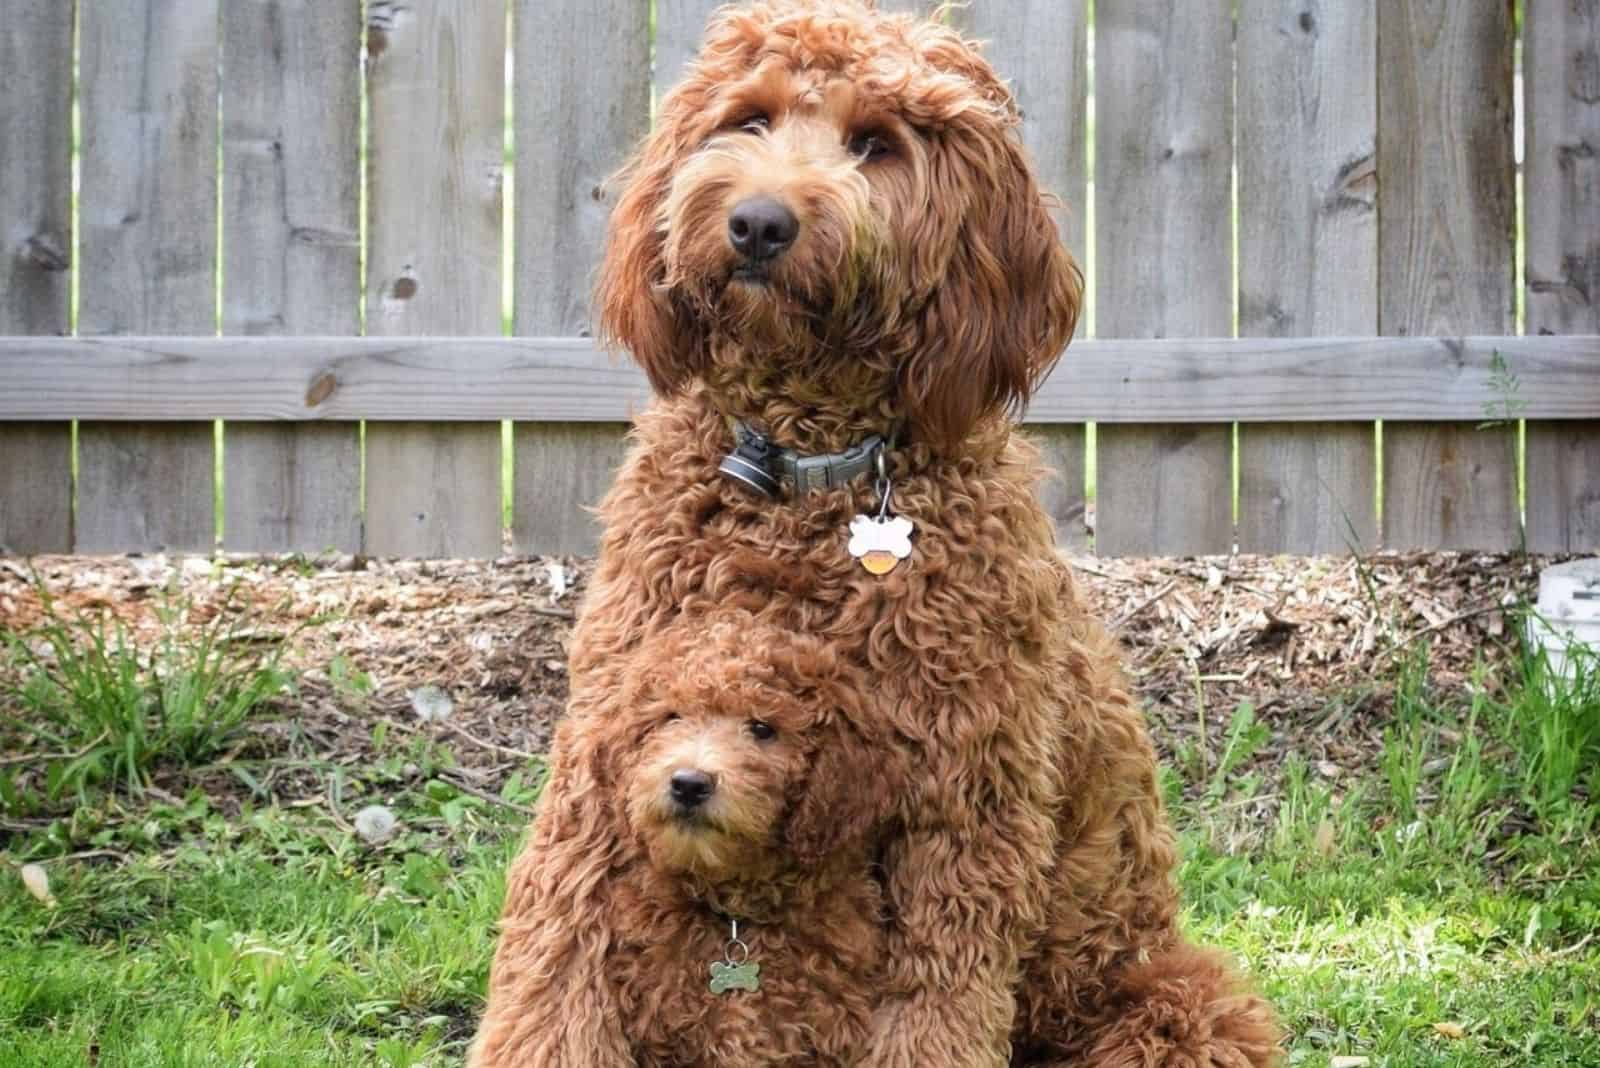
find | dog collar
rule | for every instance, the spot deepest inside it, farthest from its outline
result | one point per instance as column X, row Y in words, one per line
column 759, row 465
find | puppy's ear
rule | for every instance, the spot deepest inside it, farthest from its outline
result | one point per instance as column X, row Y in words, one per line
column 850, row 791
column 1008, row 301
column 636, row 310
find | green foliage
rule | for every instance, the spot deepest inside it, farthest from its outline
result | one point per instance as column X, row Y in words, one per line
column 100, row 708
column 1507, row 407
column 1246, row 735
column 1553, row 721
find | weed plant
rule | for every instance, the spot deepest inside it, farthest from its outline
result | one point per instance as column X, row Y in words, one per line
column 99, row 707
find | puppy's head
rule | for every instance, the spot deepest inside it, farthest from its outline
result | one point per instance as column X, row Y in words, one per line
column 744, row 753
column 834, row 204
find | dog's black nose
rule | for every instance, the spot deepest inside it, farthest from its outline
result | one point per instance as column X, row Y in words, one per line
column 691, row 788
column 761, row 228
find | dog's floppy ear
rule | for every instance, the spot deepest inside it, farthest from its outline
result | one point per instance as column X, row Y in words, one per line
column 636, row 310
column 850, row 790
column 1007, row 303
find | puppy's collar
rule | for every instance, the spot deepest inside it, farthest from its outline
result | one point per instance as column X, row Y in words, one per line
column 763, row 467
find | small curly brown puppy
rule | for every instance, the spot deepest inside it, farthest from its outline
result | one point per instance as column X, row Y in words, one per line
column 833, row 234
column 739, row 775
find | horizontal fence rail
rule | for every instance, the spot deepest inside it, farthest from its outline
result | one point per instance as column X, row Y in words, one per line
column 444, row 379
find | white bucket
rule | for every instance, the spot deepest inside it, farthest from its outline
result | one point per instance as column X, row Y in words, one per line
column 1568, row 613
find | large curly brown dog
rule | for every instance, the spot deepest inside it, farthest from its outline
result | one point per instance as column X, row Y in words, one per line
column 833, row 234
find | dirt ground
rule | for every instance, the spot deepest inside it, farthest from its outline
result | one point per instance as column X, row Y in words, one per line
column 474, row 652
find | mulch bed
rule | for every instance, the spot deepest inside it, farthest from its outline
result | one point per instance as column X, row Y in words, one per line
column 474, row 652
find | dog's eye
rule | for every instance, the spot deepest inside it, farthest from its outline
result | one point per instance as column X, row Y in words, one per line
column 869, row 146
column 754, row 122
column 762, row 732
column 672, row 717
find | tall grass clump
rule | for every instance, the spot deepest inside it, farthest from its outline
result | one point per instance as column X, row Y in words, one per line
column 1553, row 722
column 97, row 706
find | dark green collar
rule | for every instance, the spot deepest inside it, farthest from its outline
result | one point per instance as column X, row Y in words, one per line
column 759, row 465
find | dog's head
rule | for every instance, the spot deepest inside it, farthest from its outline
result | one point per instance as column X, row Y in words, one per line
column 834, row 204
column 743, row 751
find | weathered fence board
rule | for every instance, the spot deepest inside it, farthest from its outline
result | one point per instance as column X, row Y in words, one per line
column 1561, row 64
column 561, row 471
column 576, row 122
column 290, row 203
column 680, row 26
column 1446, row 198
column 36, row 167
column 1308, row 255
column 436, row 84
column 148, row 211
column 1042, row 50
column 435, row 466
column 1177, row 380
column 35, row 488
column 567, row 147
column 35, row 255
column 1163, row 241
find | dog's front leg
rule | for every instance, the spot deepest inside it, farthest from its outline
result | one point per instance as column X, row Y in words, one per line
column 550, row 1005
column 965, row 898
column 553, row 1009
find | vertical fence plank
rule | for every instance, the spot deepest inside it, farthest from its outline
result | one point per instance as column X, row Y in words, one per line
column 35, row 250
column 1042, row 51
column 36, row 167
column 1561, row 70
column 680, row 26
column 1163, row 161
column 148, row 211
column 1308, row 255
column 576, row 122
column 1446, row 198
column 436, row 83
column 290, row 150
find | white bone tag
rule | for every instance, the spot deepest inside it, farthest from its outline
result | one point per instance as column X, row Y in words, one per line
column 880, row 542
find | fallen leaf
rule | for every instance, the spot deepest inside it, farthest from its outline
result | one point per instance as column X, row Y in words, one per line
column 38, row 883
column 1350, row 1062
column 1450, row 1030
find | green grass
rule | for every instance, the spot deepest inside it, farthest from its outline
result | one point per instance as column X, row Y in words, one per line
column 264, row 939
column 107, row 707
column 1440, row 909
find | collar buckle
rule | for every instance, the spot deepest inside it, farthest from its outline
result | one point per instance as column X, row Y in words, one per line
column 759, row 465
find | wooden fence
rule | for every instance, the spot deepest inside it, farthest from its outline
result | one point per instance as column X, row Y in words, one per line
column 1322, row 194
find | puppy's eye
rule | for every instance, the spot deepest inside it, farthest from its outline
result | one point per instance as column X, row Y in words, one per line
column 762, row 732
column 672, row 717
column 754, row 122
column 869, row 146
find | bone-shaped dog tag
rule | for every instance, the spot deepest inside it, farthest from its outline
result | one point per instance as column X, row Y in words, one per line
column 880, row 542
column 726, row 976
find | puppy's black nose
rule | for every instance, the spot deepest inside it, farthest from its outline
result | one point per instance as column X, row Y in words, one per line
column 690, row 788
column 761, row 228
